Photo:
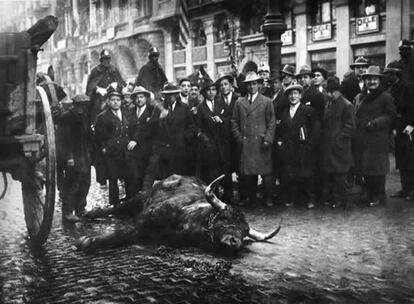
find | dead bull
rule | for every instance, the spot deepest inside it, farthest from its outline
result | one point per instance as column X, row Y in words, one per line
column 182, row 211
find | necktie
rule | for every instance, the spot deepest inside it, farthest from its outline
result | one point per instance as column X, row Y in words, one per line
column 139, row 112
column 226, row 99
column 250, row 99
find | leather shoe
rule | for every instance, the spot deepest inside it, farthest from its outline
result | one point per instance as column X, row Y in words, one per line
column 310, row 205
column 399, row 194
column 288, row 204
column 70, row 217
column 374, row 203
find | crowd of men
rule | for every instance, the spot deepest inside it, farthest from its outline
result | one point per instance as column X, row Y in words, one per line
column 308, row 136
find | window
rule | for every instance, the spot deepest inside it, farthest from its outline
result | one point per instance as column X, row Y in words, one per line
column 289, row 19
column 361, row 8
column 221, row 28
column 321, row 12
column 142, row 8
column 199, row 36
column 123, row 10
column 107, row 10
column 98, row 14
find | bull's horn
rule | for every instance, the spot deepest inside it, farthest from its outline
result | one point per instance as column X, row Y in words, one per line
column 260, row 236
column 211, row 197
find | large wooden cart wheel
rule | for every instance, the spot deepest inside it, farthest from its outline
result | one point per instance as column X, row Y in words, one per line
column 39, row 181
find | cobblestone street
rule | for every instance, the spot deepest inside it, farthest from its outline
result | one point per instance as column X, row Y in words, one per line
column 353, row 255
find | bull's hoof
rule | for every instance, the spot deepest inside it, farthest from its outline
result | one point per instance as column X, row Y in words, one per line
column 84, row 243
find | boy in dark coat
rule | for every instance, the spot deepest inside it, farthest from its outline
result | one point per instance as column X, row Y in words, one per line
column 375, row 114
column 297, row 138
column 337, row 129
column 112, row 137
column 78, row 158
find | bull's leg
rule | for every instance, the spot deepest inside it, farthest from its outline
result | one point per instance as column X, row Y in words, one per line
column 116, row 239
column 132, row 207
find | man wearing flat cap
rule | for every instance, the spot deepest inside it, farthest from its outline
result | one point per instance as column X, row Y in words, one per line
column 287, row 75
column 173, row 131
column 297, row 138
column 78, row 158
column 253, row 126
column 403, row 93
column 375, row 115
column 319, row 79
column 337, row 130
column 112, row 136
column 353, row 84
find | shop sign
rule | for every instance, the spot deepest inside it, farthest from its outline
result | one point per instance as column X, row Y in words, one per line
column 367, row 24
column 287, row 37
column 322, row 32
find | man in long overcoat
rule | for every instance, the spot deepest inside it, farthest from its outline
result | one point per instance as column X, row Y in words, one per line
column 403, row 93
column 297, row 139
column 113, row 142
column 173, row 130
column 253, row 126
column 337, row 129
column 152, row 76
column 375, row 114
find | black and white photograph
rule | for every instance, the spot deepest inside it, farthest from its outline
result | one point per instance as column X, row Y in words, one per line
column 206, row 151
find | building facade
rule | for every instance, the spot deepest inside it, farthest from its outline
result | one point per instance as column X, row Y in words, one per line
column 214, row 34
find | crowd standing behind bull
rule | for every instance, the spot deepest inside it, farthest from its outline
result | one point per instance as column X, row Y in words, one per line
column 308, row 136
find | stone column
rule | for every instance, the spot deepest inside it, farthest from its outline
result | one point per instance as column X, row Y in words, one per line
column 168, row 55
column 273, row 28
column 209, row 31
column 92, row 16
column 189, row 56
column 343, row 47
column 393, row 24
column 301, row 39
column 75, row 12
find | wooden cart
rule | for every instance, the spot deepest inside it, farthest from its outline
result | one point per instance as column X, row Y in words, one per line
column 27, row 139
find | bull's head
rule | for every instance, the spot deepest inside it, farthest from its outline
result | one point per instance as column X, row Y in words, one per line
column 227, row 226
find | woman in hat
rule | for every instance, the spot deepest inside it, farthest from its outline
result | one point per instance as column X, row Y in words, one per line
column 113, row 142
column 375, row 114
column 297, row 138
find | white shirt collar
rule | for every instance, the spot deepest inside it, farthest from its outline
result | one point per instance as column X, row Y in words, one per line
column 253, row 96
column 173, row 105
column 141, row 110
column 117, row 113
column 210, row 104
column 293, row 109
column 184, row 99
column 229, row 97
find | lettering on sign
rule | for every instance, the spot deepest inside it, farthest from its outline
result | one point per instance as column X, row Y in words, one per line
column 367, row 24
column 287, row 37
column 322, row 32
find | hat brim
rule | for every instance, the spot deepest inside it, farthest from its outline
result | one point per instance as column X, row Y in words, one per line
column 282, row 73
column 392, row 70
column 258, row 79
column 371, row 74
column 354, row 65
column 228, row 77
column 171, row 92
column 294, row 87
column 147, row 93
column 311, row 74
column 114, row 93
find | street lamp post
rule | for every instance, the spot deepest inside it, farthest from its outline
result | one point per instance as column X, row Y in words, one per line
column 273, row 27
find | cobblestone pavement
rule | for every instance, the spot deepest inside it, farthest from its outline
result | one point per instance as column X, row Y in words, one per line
column 353, row 255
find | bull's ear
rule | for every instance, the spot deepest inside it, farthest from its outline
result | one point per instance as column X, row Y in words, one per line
column 211, row 197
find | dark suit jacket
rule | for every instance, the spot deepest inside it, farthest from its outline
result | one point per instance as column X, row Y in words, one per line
column 337, row 131
column 350, row 87
column 298, row 156
column 314, row 98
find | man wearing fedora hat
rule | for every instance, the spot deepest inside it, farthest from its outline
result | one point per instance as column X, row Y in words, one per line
column 353, row 84
column 337, row 130
column 253, row 126
column 287, row 74
column 297, row 137
column 311, row 95
column 216, row 153
column 403, row 93
column 113, row 142
column 140, row 131
column 78, row 158
column 152, row 76
column 173, row 131
column 375, row 114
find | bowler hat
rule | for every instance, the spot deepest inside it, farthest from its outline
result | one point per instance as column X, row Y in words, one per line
column 322, row 71
column 293, row 87
column 359, row 62
column 114, row 89
column 404, row 44
column 105, row 54
column 252, row 76
column 333, row 84
column 80, row 99
column 393, row 67
column 304, row 70
column 170, row 88
column 153, row 51
column 140, row 90
column 373, row 70
column 263, row 67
